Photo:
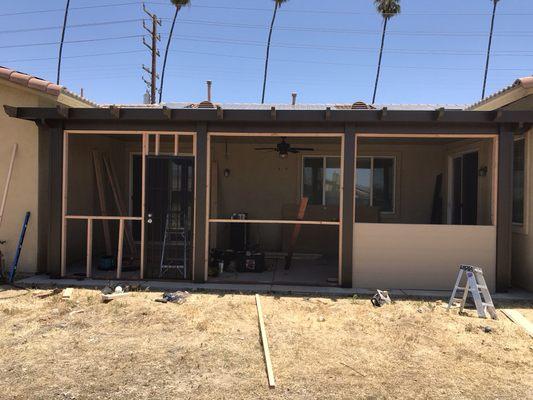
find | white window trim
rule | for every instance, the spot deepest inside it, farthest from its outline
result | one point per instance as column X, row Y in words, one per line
column 372, row 157
column 523, row 228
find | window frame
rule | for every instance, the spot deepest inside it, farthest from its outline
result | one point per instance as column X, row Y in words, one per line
column 517, row 227
column 324, row 158
column 372, row 157
column 394, row 163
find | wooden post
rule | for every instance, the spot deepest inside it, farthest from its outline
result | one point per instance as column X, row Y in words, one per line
column 157, row 144
column 88, row 273
column 505, row 209
column 64, row 198
column 348, row 206
column 8, row 180
column 143, row 201
column 176, row 144
column 120, row 247
column 200, row 195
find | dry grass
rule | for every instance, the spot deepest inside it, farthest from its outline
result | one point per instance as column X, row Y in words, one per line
column 208, row 348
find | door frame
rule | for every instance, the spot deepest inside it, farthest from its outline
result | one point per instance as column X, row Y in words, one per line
column 451, row 157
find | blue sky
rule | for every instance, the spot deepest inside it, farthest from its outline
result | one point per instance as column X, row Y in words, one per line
column 324, row 51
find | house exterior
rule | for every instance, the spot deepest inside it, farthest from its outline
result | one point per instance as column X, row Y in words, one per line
column 332, row 194
column 519, row 96
column 25, row 190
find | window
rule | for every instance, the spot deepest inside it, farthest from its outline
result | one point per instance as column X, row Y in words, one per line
column 375, row 182
column 519, row 163
column 322, row 180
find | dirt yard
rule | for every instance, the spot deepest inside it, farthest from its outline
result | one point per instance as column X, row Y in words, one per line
column 209, row 348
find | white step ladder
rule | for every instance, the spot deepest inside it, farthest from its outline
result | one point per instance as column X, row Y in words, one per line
column 476, row 285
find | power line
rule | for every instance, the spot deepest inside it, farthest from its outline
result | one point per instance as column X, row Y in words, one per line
column 298, row 11
column 349, row 31
column 48, row 28
column 70, row 41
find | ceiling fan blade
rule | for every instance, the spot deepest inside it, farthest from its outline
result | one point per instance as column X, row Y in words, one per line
column 265, row 148
column 293, row 150
column 303, row 148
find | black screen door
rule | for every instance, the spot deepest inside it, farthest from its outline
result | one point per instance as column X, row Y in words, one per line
column 169, row 197
column 465, row 189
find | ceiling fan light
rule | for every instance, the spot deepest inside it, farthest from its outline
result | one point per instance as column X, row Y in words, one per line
column 283, row 155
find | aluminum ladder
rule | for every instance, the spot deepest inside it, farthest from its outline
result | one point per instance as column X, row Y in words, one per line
column 174, row 236
column 476, row 285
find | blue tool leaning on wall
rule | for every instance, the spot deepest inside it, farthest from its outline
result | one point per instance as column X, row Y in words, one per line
column 13, row 267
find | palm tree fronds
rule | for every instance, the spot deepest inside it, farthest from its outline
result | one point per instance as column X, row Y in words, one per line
column 280, row 2
column 388, row 8
column 181, row 3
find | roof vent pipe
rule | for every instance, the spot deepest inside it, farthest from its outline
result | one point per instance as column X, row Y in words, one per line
column 209, row 83
column 294, row 98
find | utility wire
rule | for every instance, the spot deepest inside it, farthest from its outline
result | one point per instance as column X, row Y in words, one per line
column 70, row 41
column 292, row 10
column 49, row 28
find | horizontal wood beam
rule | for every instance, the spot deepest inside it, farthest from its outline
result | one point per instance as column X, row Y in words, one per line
column 271, row 221
column 103, row 217
column 264, row 115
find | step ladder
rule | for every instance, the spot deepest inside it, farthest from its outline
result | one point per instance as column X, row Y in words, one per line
column 174, row 250
column 476, row 285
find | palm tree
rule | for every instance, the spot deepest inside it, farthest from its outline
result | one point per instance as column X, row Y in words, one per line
column 387, row 9
column 178, row 4
column 495, row 3
column 277, row 4
column 61, row 43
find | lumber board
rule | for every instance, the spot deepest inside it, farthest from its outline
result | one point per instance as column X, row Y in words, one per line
column 296, row 231
column 119, row 201
column 519, row 319
column 264, row 340
column 67, row 293
column 8, row 181
column 101, row 198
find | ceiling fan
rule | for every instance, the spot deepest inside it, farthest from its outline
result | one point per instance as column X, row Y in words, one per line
column 284, row 148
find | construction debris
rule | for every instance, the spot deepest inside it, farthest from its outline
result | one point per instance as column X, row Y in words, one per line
column 176, row 297
column 47, row 293
column 109, row 294
column 67, row 293
column 381, row 298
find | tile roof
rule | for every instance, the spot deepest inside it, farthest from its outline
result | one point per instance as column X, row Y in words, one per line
column 525, row 82
column 280, row 106
column 39, row 84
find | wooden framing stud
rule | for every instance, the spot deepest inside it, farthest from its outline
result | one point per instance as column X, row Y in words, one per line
column 157, row 144
column 328, row 113
column 64, row 199
column 143, row 200
column 273, row 113
column 88, row 272
column 176, row 144
column 120, row 248
column 498, row 115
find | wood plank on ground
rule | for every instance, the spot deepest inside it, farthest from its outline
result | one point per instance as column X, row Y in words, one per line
column 264, row 340
column 519, row 319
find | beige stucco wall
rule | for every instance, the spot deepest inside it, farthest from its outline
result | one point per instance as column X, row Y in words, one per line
column 23, row 189
column 522, row 256
column 398, row 256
